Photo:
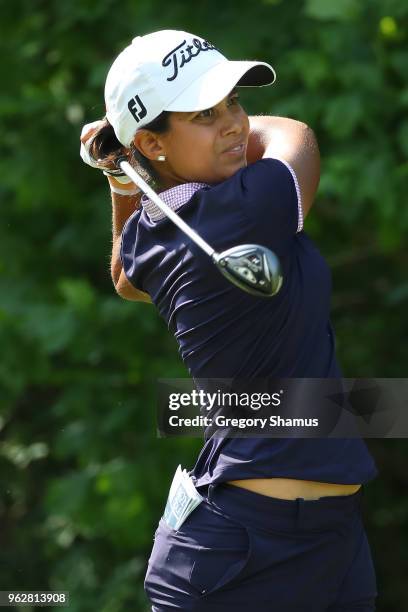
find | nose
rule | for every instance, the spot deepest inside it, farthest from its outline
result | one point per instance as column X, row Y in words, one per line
column 233, row 122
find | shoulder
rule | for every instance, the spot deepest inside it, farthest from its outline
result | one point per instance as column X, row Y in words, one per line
column 271, row 188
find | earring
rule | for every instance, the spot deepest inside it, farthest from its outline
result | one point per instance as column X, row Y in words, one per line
column 161, row 158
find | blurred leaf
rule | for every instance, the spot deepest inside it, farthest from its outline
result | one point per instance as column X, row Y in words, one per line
column 51, row 326
column 403, row 137
column 343, row 115
column 388, row 27
column 77, row 292
column 21, row 455
column 341, row 9
column 398, row 294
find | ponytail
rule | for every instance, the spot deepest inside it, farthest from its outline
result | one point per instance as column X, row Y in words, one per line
column 105, row 148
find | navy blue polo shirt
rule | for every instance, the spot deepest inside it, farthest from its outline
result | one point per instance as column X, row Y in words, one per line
column 223, row 332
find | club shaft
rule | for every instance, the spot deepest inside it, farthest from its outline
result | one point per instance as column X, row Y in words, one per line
column 132, row 174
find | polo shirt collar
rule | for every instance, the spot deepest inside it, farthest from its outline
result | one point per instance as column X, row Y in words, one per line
column 175, row 197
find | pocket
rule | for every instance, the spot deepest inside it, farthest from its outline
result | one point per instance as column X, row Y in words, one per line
column 207, row 553
column 223, row 552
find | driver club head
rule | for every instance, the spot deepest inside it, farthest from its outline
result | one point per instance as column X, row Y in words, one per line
column 252, row 267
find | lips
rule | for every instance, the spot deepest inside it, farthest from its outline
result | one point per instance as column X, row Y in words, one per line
column 238, row 147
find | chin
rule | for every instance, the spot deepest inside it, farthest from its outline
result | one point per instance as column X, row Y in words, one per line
column 235, row 167
column 226, row 174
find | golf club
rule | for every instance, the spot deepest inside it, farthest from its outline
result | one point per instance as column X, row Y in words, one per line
column 251, row 267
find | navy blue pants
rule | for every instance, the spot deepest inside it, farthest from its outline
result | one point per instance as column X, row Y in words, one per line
column 243, row 551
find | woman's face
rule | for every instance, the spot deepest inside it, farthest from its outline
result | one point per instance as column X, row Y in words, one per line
column 205, row 146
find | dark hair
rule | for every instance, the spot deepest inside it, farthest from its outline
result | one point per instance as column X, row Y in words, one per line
column 106, row 148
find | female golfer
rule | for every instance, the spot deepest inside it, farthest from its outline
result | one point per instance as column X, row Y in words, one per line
column 279, row 528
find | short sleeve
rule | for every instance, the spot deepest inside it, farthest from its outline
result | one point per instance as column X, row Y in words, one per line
column 272, row 197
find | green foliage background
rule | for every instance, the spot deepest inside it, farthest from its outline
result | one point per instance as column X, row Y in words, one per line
column 83, row 478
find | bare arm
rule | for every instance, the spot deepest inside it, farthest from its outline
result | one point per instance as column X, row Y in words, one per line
column 293, row 141
column 122, row 208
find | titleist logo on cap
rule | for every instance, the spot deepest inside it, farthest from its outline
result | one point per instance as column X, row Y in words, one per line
column 183, row 53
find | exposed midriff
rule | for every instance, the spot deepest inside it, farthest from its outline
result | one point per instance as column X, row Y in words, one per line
column 290, row 488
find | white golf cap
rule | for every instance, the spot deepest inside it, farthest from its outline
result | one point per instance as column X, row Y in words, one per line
column 171, row 70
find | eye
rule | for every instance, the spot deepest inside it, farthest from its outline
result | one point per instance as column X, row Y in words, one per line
column 208, row 112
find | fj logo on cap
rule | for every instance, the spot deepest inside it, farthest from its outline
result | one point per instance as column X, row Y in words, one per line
column 182, row 54
column 137, row 108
